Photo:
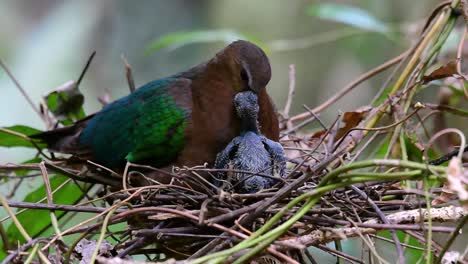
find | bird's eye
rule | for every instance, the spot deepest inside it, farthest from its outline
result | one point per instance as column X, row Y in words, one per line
column 244, row 75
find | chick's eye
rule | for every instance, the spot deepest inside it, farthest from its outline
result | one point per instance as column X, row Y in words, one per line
column 244, row 75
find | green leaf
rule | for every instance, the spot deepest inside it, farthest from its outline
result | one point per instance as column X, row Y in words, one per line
column 414, row 153
column 13, row 136
column 176, row 40
column 352, row 16
column 455, row 90
column 66, row 103
column 35, row 221
column 411, row 255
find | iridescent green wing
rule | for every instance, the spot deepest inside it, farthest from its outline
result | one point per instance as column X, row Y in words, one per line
column 147, row 126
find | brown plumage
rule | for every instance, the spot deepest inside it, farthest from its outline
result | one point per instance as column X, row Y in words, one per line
column 185, row 119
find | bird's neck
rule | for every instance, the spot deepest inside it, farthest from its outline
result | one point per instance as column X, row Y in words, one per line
column 249, row 124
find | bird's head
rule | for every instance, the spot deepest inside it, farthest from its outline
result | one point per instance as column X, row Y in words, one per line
column 246, row 104
column 247, row 64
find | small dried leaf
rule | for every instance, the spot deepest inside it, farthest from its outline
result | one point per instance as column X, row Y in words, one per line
column 86, row 249
column 445, row 195
column 351, row 120
column 442, row 72
column 318, row 134
column 457, row 180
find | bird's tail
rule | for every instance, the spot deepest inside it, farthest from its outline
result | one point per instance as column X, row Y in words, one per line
column 64, row 139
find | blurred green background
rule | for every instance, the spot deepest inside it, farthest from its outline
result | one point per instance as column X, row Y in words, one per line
column 47, row 42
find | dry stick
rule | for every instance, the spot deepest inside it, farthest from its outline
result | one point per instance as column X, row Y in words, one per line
column 309, row 256
column 364, row 147
column 441, row 133
column 305, row 122
column 112, row 173
column 16, row 186
column 459, row 60
column 4, row 238
column 22, row 248
column 391, row 241
column 447, row 156
column 366, row 239
column 448, row 109
column 292, row 86
column 376, row 226
column 449, row 213
column 139, row 243
column 129, row 74
column 351, row 86
column 101, row 235
column 322, row 124
column 451, row 239
column 239, row 171
column 340, row 254
column 21, row 228
column 460, row 50
column 298, row 126
column 50, row 200
column 20, row 88
column 69, row 230
column 376, row 128
column 399, row 249
column 38, row 202
column 195, row 219
column 89, row 178
column 85, row 69
column 60, row 207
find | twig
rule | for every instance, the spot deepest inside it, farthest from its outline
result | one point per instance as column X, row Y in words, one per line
column 340, row 254
column 101, row 235
column 377, row 128
column 21, row 228
column 85, row 69
column 399, row 249
column 40, row 201
column 451, row 239
column 292, row 86
column 461, row 150
column 450, row 213
column 351, row 86
column 129, row 74
column 50, row 201
column 21, row 89
column 60, row 207
column 447, row 156
column 448, row 109
column 139, row 243
column 9, row 259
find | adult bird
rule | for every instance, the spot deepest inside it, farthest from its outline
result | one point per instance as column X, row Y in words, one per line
column 251, row 156
column 184, row 119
